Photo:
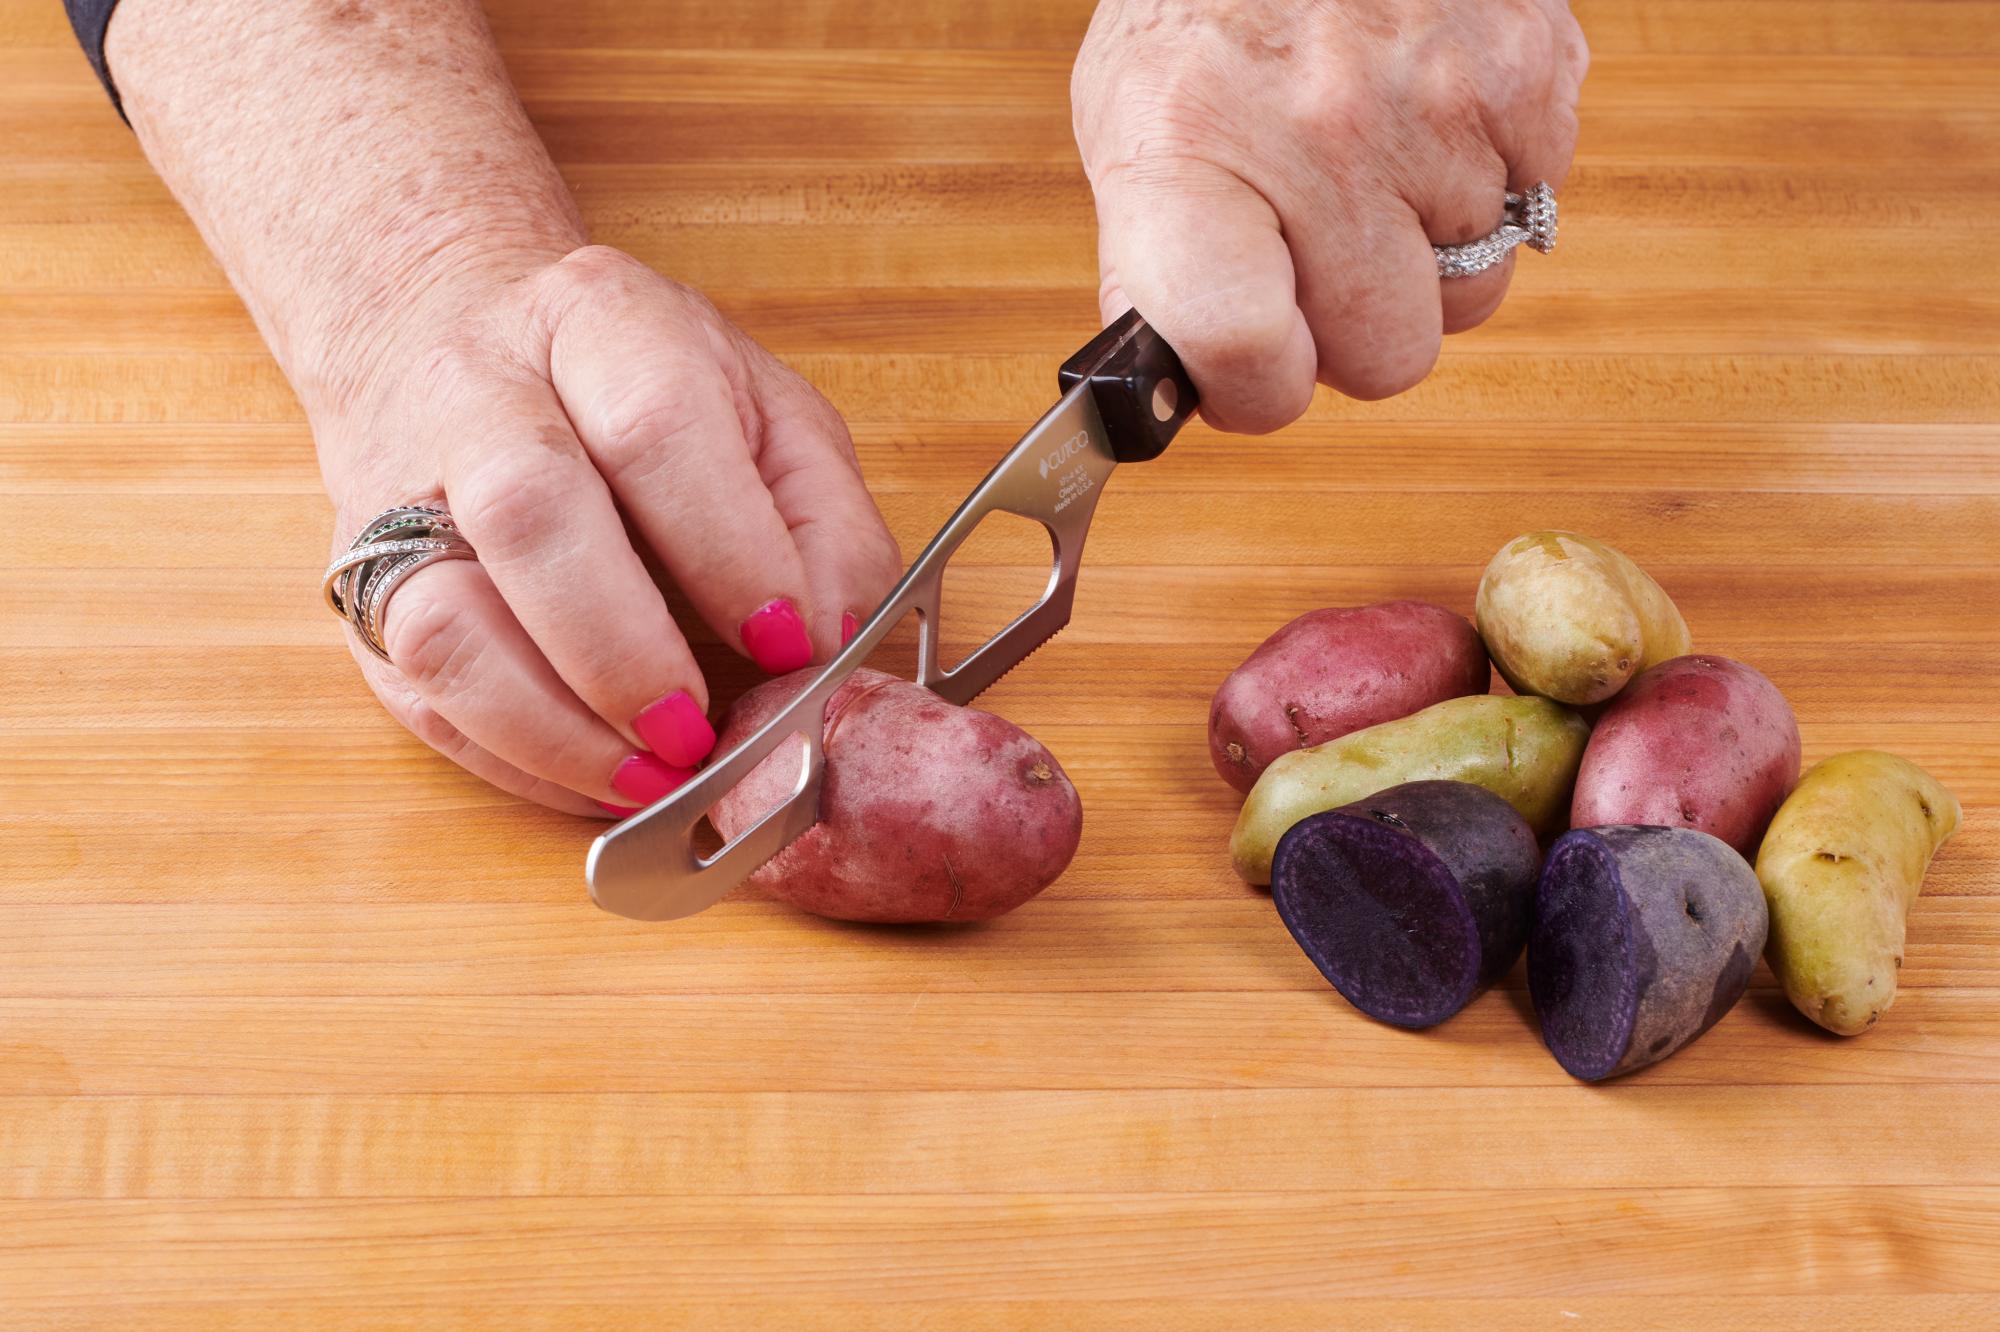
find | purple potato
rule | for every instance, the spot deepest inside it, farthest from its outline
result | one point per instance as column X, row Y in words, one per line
column 1644, row 937
column 1412, row 901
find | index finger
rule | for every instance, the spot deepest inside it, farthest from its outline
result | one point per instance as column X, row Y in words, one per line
column 548, row 533
column 1203, row 257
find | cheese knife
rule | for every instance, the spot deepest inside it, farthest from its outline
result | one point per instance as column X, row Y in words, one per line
column 1124, row 398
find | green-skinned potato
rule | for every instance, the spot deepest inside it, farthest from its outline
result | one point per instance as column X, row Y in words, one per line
column 1524, row 750
column 1841, row 866
column 1571, row 619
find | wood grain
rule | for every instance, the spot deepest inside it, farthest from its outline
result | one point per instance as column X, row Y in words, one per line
column 302, row 1027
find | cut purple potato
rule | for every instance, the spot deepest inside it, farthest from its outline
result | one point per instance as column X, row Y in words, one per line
column 1412, row 901
column 1644, row 937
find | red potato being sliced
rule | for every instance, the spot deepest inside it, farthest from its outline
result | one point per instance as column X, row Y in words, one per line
column 928, row 811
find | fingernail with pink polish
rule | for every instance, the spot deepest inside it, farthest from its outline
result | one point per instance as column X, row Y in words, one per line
column 676, row 730
column 848, row 626
column 619, row 811
column 775, row 638
column 642, row 779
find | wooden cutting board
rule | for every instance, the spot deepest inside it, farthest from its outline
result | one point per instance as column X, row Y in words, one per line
column 301, row 1027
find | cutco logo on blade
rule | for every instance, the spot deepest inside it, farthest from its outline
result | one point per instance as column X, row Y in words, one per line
column 1063, row 452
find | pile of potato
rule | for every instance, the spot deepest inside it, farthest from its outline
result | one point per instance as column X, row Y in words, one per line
column 1399, row 812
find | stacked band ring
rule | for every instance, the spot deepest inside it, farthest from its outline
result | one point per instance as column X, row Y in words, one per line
column 1530, row 220
column 394, row 545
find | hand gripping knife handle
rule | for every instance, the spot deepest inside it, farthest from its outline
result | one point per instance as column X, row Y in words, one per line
column 1125, row 397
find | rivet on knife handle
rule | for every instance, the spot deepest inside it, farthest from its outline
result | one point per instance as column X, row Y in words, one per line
column 1142, row 392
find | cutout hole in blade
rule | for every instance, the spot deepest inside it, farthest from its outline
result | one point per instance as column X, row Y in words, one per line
column 761, row 823
column 1005, row 569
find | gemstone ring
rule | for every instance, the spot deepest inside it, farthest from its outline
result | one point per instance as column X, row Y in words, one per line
column 393, row 545
column 1530, row 220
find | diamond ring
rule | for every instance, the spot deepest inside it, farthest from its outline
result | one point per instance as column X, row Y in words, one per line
column 1530, row 220
column 393, row 545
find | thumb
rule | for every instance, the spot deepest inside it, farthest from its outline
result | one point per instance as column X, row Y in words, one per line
column 1203, row 258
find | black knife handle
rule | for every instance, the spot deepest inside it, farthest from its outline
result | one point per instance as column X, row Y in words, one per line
column 1142, row 393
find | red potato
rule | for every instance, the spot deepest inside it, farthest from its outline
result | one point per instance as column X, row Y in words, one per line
column 1331, row 672
column 927, row 812
column 1696, row 742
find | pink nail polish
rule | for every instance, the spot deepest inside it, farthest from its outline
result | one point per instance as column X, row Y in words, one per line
column 775, row 638
column 676, row 730
column 621, row 811
column 848, row 626
column 643, row 779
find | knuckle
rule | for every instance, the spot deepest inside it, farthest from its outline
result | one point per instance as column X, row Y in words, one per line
column 428, row 725
column 1152, row 171
column 884, row 560
column 1335, row 107
column 1281, row 403
column 445, row 372
column 1234, row 331
column 395, row 693
column 620, row 671
column 1383, row 375
column 1563, row 130
column 433, row 641
column 1447, row 95
column 1575, row 51
column 1522, row 59
column 1467, row 309
column 638, row 445
column 505, row 507
column 1174, row 120
column 598, row 263
column 598, row 281
column 604, row 274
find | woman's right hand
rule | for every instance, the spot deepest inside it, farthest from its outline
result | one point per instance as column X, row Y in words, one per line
column 578, row 417
column 1270, row 179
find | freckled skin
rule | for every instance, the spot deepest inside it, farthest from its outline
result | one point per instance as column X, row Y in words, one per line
column 1269, row 177
column 1697, row 742
column 1330, row 672
column 374, row 190
column 928, row 811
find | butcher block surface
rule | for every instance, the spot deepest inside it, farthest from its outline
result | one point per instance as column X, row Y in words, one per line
column 302, row 1027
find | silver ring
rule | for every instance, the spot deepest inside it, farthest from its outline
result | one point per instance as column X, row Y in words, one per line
column 1530, row 220
column 393, row 545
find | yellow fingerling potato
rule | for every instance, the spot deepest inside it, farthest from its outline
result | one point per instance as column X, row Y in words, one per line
column 1572, row 619
column 1524, row 750
column 1841, row 866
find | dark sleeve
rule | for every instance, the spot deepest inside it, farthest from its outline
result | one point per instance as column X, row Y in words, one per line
column 90, row 18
